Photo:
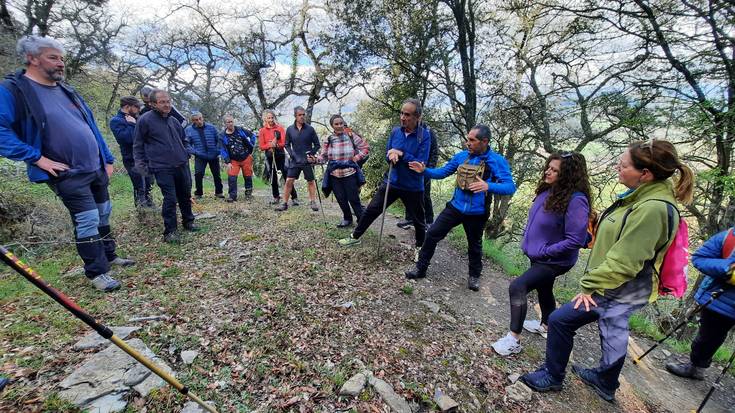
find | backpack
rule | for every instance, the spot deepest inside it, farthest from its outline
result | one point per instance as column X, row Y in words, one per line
column 361, row 162
column 592, row 222
column 672, row 276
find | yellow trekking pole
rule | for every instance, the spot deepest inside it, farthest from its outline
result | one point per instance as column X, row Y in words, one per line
column 21, row 268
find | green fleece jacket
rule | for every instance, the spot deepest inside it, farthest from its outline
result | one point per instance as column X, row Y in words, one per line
column 619, row 266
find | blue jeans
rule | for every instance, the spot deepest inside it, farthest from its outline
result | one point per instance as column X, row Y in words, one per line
column 612, row 319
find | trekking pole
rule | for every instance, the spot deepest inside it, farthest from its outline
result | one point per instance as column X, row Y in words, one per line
column 699, row 308
column 712, row 388
column 319, row 195
column 385, row 205
column 21, row 268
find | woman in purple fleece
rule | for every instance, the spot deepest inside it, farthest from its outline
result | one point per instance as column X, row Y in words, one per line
column 555, row 231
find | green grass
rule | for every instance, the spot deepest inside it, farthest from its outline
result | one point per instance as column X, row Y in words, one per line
column 510, row 264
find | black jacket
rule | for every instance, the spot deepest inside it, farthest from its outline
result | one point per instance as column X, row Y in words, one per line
column 159, row 142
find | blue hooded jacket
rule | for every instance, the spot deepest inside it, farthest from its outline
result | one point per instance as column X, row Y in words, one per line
column 708, row 260
column 212, row 149
column 415, row 147
column 124, row 132
column 22, row 129
column 497, row 171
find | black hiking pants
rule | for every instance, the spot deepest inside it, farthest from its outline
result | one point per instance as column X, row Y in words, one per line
column 539, row 277
column 713, row 329
column 411, row 200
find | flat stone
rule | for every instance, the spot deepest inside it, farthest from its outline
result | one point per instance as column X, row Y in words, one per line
column 94, row 340
column 193, row 407
column 514, row 378
column 389, row 396
column 204, row 215
column 353, row 386
column 103, row 382
column 188, row 356
column 446, row 404
column 433, row 307
column 519, row 392
column 448, row 318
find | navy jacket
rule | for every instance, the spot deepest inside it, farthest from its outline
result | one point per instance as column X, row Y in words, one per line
column 159, row 142
column 415, row 147
column 124, row 132
column 708, row 260
column 247, row 137
column 497, row 176
column 22, row 129
column 211, row 136
column 299, row 142
column 331, row 166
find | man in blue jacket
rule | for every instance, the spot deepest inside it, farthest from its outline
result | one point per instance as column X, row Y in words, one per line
column 715, row 259
column 204, row 140
column 122, row 126
column 407, row 143
column 470, row 205
column 46, row 124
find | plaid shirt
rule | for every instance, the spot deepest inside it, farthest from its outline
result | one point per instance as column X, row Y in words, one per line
column 341, row 148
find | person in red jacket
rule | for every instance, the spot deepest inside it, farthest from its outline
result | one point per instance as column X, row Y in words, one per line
column 272, row 141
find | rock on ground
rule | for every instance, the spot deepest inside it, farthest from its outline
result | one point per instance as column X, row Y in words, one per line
column 353, row 386
column 94, row 340
column 390, row 397
column 188, row 356
column 519, row 392
column 193, row 407
column 104, row 381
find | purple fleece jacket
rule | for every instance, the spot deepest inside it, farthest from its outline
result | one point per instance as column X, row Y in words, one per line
column 553, row 238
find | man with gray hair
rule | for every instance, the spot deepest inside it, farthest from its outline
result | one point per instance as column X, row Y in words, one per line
column 46, row 124
column 203, row 139
column 302, row 144
column 145, row 93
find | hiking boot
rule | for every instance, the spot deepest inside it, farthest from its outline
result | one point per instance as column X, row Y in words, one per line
column 191, row 227
column 219, row 195
column 534, row 326
column 122, row 262
column 507, row 345
column 295, row 202
column 348, row 242
column 590, row 378
column 344, row 224
column 541, row 381
column 473, row 283
column 415, row 273
column 275, row 201
column 172, row 238
column 281, row 207
column 104, row 282
column 4, row 381
column 230, row 200
column 686, row 370
column 313, row 206
column 405, row 224
column 248, row 193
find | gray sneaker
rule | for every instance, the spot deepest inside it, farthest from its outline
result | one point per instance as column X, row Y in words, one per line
column 314, row 206
column 507, row 345
column 122, row 262
column 104, row 282
column 534, row 326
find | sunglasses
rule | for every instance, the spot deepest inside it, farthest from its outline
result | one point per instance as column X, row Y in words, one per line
column 648, row 145
column 565, row 154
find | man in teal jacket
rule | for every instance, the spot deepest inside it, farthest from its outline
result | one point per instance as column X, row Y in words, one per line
column 469, row 206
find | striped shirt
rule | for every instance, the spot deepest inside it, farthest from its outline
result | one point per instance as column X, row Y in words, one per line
column 341, row 148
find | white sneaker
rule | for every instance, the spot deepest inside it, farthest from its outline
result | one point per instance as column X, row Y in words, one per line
column 104, row 282
column 534, row 326
column 507, row 345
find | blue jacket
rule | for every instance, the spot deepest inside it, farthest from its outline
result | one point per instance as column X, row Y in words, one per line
column 247, row 136
column 23, row 141
column 123, row 131
column 497, row 175
column 414, row 149
column 708, row 260
column 197, row 146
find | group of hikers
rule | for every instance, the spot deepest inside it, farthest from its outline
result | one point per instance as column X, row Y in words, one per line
column 48, row 125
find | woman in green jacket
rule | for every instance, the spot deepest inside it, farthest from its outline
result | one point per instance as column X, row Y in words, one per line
column 620, row 277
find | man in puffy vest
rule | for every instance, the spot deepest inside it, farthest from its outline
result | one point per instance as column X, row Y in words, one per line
column 46, row 124
column 122, row 126
column 487, row 173
column 237, row 145
column 204, row 141
column 715, row 259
